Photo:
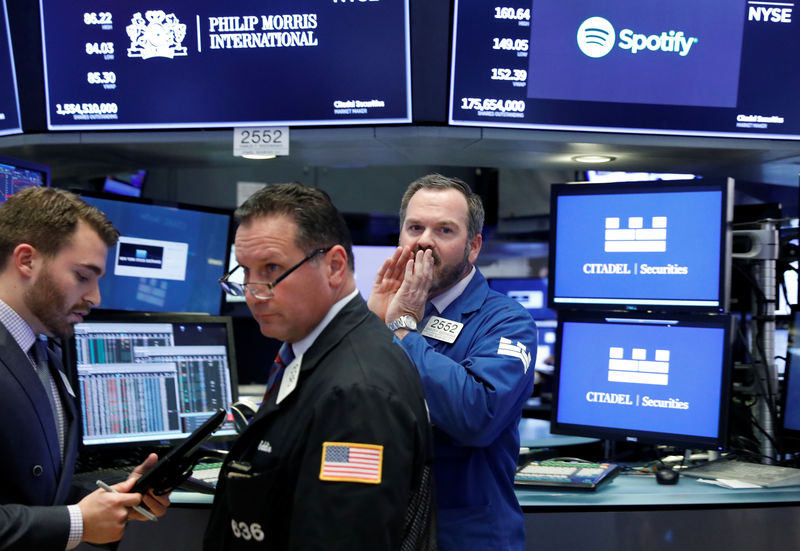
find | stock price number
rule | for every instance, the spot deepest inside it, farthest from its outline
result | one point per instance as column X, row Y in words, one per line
column 501, row 105
column 514, row 14
column 97, row 18
column 86, row 108
column 510, row 44
column 515, row 75
column 101, row 48
column 105, row 77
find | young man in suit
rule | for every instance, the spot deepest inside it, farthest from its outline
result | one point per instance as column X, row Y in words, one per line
column 53, row 250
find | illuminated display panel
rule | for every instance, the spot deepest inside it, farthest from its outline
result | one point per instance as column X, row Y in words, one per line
column 712, row 68
column 183, row 64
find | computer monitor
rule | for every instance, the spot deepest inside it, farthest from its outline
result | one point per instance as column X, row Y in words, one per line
column 662, row 246
column 130, row 185
column 368, row 259
column 152, row 378
column 530, row 292
column 651, row 380
column 16, row 174
column 790, row 399
column 168, row 258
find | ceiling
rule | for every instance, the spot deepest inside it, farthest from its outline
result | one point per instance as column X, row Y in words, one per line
column 74, row 155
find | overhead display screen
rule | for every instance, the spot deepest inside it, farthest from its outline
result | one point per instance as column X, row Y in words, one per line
column 204, row 63
column 711, row 68
column 9, row 100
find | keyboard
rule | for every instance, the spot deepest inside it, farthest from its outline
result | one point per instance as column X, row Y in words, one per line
column 566, row 474
column 767, row 476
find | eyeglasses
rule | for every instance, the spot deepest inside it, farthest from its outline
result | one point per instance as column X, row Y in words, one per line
column 262, row 291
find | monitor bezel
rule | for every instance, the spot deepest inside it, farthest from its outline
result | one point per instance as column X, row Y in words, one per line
column 147, row 201
column 124, row 316
column 719, row 441
column 649, row 304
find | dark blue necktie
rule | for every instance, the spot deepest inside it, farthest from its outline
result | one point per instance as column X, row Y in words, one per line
column 282, row 359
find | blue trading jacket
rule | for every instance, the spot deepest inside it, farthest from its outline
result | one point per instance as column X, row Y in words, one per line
column 475, row 389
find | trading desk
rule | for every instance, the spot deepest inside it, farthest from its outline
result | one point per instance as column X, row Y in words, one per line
column 631, row 513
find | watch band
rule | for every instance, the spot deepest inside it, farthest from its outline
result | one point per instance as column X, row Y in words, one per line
column 403, row 322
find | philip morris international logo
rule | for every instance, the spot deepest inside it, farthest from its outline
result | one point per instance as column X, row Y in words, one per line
column 596, row 37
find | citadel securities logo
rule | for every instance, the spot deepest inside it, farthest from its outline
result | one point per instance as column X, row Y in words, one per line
column 596, row 38
column 638, row 368
column 160, row 36
column 636, row 237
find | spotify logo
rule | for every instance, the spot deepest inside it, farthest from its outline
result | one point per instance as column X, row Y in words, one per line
column 596, row 37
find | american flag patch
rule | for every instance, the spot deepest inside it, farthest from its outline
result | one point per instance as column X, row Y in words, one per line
column 348, row 462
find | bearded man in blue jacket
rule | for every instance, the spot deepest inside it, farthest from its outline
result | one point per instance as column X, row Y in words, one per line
column 474, row 349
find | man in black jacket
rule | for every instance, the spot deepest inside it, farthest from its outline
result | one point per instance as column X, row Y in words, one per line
column 339, row 455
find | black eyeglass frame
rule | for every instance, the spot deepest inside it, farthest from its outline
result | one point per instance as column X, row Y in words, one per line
column 239, row 289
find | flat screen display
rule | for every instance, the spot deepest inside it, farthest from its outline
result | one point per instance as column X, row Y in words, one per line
column 168, row 257
column 150, row 378
column 368, row 259
column 530, row 292
column 711, row 68
column 790, row 399
column 182, row 64
column 9, row 97
column 665, row 381
column 641, row 245
column 16, row 175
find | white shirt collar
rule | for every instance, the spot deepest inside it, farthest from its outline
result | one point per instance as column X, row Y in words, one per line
column 445, row 299
column 305, row 343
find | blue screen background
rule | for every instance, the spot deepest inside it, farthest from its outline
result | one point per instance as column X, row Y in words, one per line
column 206, row 234
column 693, row 240
column 695, row 375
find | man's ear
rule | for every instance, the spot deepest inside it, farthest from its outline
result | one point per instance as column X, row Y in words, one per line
column 474, row 248
column 337, row 263
column 25, row 259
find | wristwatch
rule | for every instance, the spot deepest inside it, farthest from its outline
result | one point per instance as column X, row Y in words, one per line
column 403, row 322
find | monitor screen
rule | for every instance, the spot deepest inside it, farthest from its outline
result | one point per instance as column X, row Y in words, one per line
column 641, row 245
column 665, row 381
column 126, row 184
column 10, row 121
column 712, row 68
column 16, row 174
column 168, row 257
column 148, row 378
column 368, row 259
column 531, row 292
column 790, row 399
column 203, row 63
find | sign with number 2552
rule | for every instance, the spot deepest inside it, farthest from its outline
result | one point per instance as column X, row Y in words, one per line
column 261, row 140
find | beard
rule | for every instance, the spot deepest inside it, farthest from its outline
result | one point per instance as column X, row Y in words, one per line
column 444, row 275
column 46, row 301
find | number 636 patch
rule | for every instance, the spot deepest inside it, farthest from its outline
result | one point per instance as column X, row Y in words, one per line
column 247, row 532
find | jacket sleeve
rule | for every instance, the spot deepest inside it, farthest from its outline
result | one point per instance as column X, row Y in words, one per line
column 344, row 515
column 476, row 387
column 42, row 528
